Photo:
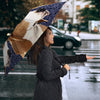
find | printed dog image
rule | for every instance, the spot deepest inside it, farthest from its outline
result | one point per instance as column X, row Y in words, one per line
column 27, row 32
column 24, row 36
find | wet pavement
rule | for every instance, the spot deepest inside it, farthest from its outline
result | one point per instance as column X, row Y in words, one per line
column 85, row 35
column 85, row 78
column 84, row 82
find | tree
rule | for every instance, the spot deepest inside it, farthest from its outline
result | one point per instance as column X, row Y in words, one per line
column 95, row 4
column 13, row 11
column 91, row 13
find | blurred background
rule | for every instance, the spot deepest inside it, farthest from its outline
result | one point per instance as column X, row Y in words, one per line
column 83, row 12
column 76, row 30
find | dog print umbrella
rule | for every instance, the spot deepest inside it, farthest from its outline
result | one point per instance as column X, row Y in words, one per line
column 27, row 32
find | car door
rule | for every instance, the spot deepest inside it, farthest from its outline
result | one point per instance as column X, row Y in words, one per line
column 57, row 38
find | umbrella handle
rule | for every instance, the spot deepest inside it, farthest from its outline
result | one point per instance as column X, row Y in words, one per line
column 69, row 75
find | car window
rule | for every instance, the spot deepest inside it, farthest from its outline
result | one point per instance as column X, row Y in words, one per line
column 55, row 32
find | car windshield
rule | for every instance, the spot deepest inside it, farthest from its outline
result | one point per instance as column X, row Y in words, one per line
column 55, row 31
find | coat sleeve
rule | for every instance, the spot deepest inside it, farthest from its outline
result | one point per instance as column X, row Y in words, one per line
column 45, row 62
column 70, row 59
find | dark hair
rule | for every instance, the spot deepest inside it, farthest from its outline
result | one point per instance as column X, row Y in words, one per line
column 36, row 49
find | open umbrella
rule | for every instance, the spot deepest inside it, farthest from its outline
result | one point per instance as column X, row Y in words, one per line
column 27, row 32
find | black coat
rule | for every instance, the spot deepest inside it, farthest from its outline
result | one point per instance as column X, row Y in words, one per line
column 70, row 27
column 49, row 71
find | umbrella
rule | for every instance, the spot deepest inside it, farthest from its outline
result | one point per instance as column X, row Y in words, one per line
column 27, row 32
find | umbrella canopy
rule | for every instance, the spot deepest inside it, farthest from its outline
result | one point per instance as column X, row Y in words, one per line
column 27, row 32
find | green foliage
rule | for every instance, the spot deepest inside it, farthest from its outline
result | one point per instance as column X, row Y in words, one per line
column 96, row 3
column 92, row 13
column 13, row 11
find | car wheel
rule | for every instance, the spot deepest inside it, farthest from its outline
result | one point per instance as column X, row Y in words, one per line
column 68, row 44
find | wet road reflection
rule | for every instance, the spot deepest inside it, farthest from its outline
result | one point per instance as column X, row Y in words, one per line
column 85, row 77
column 84, row 83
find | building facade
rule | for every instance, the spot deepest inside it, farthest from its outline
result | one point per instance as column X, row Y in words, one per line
column 78, row 5
column 71, row 9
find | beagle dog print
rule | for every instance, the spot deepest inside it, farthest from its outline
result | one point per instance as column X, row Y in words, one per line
column 25, row 34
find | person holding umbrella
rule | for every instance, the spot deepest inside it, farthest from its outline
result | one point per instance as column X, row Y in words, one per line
column 50, row 66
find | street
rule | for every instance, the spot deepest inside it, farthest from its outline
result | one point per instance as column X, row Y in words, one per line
column 84, row 82
column 85, row 77
column 71, row 27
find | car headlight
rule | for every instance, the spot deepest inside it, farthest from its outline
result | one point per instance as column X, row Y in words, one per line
column 77, row 38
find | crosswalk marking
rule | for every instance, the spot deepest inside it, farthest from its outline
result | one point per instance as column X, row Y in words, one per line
column 97, row 71
column 19, row 73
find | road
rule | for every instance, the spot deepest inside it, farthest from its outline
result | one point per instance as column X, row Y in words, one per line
column 85, row 35
column 84, row 82
column 85, row 77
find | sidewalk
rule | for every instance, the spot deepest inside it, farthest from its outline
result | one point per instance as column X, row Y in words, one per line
column 85, row 35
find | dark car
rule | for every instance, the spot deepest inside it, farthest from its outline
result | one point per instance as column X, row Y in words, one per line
column 60, row 39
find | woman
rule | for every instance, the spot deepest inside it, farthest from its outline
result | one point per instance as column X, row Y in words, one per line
column 50, row 67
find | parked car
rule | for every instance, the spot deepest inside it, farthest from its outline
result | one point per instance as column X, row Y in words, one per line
column 67, row 41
